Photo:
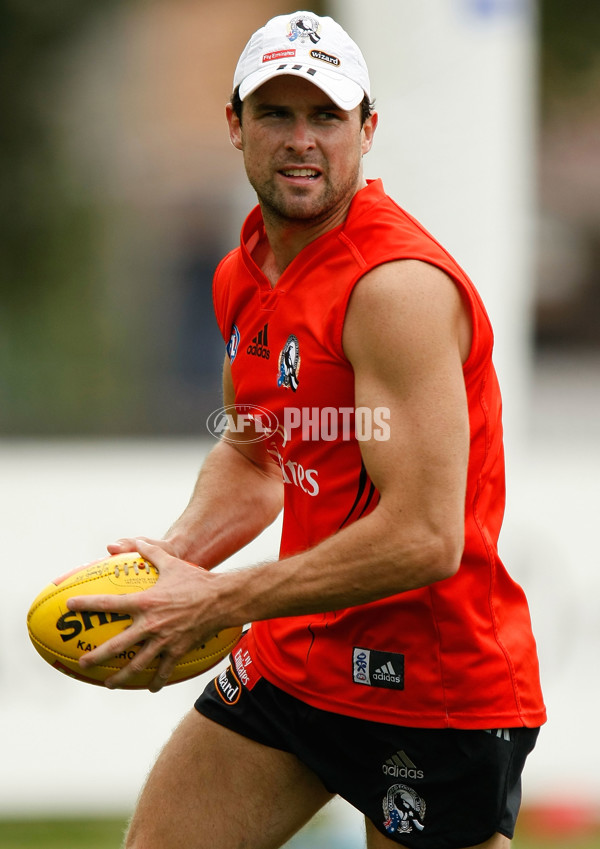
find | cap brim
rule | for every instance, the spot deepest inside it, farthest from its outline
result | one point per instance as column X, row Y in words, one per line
column 343, row 92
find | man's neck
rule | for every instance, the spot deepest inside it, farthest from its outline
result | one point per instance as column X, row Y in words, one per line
column 285, row 240
column 282, row 245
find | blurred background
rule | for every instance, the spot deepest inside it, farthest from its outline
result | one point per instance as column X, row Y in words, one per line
column 120, row 192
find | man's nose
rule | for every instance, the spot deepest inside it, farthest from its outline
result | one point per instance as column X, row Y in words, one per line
column 301, row 136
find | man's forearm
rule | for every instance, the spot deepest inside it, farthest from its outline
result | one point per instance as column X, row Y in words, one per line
column 364, row 562
column 233, row 501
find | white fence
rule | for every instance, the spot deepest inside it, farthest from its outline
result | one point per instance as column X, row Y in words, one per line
column 68, row 747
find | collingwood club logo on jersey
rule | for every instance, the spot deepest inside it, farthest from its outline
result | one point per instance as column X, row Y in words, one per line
column 259, row 347
column 289, row 364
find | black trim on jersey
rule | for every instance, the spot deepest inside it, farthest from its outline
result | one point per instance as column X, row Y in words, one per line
column 363, row 479
column 372, row 491
column 313, row 636
column 312, row 640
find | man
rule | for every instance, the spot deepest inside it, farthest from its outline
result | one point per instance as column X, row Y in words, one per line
column 390, row 659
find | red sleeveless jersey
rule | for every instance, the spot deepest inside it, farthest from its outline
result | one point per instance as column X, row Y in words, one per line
column 459, row 653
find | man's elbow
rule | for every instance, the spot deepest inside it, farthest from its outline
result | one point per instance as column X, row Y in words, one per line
column 425, row 550
column 446, row 555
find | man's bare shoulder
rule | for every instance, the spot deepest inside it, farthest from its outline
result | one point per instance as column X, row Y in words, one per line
column 406, row 303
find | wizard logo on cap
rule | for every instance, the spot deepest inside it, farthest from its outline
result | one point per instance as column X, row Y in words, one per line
column 304, row 28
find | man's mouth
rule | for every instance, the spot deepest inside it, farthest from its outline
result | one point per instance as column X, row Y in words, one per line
column 300, row 172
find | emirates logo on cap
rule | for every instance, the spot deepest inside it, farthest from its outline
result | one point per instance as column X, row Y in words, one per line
column 279, row 54
column 304, row 29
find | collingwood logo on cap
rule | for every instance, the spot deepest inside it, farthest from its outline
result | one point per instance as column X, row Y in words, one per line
column 304, row 29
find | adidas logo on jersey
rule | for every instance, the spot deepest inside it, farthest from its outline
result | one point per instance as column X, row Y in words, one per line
column 375, row 668
column 387, row 673
column 401, row 766
column 259, row 347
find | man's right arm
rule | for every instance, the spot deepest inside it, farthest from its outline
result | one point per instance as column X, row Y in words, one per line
column 239, row 492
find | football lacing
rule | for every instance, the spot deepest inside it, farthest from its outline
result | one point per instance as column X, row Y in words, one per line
column 136, row 568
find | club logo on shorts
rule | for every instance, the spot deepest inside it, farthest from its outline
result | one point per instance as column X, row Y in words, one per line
column 403, row 810
column 289, row 364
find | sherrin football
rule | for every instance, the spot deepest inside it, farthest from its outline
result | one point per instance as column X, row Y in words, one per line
column 62, row 636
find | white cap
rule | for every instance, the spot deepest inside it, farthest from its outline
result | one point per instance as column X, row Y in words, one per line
column 305, row 45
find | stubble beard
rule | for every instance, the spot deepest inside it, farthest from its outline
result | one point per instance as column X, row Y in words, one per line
column 301, row 205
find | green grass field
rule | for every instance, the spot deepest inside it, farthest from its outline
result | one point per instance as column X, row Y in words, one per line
column 61, row 834
column 107, row 834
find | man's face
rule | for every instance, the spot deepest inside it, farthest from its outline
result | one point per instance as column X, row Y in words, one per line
column 303, row 154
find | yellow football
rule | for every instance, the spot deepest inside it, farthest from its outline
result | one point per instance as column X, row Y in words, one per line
column 61, row 636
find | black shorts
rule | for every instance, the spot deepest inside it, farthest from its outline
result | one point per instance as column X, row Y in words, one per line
column 424, row 788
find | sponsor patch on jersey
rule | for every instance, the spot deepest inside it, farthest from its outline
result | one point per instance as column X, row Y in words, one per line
column 378, row 668
column 244, row 667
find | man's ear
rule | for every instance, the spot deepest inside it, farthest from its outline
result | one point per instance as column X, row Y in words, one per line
column 368, row 131
column 235, row 127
